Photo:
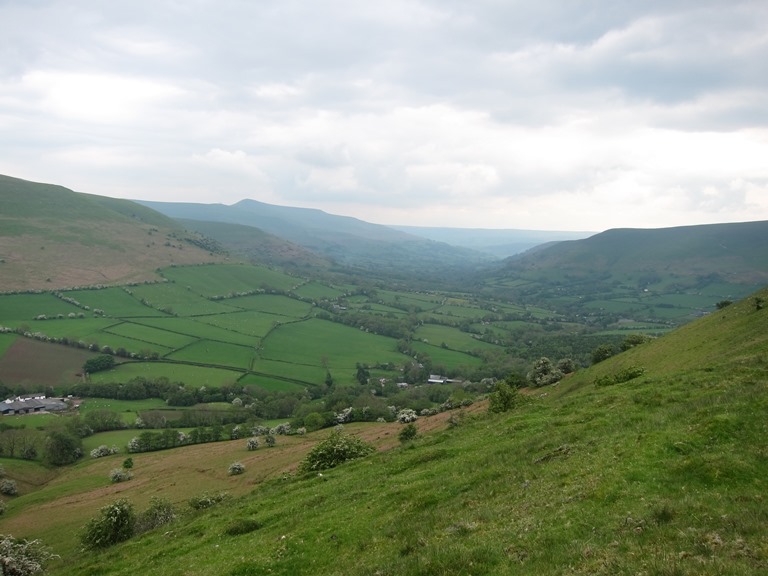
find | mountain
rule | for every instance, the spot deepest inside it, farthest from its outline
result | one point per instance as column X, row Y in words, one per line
column 347, row 241
column 499, row 243
column 52, row 237
column 657, row 274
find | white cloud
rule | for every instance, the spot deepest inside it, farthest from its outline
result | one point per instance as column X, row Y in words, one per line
column 549, row 115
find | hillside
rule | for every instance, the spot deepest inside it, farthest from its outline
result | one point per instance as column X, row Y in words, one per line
column 654, row 275
column 663, row 473
column 52, row 237
column 345, row 240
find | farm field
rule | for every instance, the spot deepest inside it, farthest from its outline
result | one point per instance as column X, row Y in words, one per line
column 190, row 375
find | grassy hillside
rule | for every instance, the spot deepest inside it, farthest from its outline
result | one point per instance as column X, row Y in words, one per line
column 667, row 275
column 52, row 237
column 664, row 473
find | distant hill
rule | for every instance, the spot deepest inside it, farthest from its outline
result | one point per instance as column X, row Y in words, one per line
column 258, row 246
column 498, row 243
column 648, row 274
column 343, row 239
column 53, row 237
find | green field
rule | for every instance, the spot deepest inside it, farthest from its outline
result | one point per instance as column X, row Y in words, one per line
column 274, row 304
column 26, row 307
column 188, row 374
column 115, row 302
column 453, row 338
column 199, row 328
column 312, row 341
column 177, row 300
column 225, row 279
column 150, row 335
column 216, row 353
column 253, row 325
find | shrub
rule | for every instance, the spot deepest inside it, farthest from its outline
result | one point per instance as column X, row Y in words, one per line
column 104, row 450
column 503, row 398
column 252, row 444
column 128, row 463
column 23, row 557
column 544, row 373
column 119, row 475
column 602, row 352
column 270, row 440
column 407, row 415
column 408, row 433
column 8, row 487
column 334, row 450
column 159, row 513
column 206, row 500
column 116, row 524
column 236, row 468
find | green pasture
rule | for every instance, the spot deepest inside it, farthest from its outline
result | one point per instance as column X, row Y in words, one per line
column 274, row 304
column 133, row 406
column 613, row 306
column 216, row 353
column 447, row 358
column 25, row 307
column 178, row 300
column 147, row 334
column 115, row 302
column 410, row 299
column 225, row 279
column 462, row 312
column 453, row 338
column 6, row 341
column 272, row 384
column 186, row 373
column 381, row 310
column 312, row 341
column 198, row 328
column 254, row 325
column 317, row 291
column 119, row 438
column 687, row 301
column 310, row 373
column 31, row 421
column 86, row 329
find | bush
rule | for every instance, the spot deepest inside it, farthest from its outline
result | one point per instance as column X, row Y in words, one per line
column 270, row 440
column 503, row 398
column 104, row 450
column 408, row 433
column 8, row 487
column 602, row 352
column 252, row 444
column 407, row 415
column 119, row 475
column 116, row 524
column 544, row 373
column 159, row 513
column 236, row 468
column 128, row 463
column 334, row 450
column 206, row 500
column 23, row 557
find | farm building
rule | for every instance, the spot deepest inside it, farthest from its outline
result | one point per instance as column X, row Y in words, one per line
column 30, row 404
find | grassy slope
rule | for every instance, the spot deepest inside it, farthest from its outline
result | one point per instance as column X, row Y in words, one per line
column 52, row 237
column 664, row 474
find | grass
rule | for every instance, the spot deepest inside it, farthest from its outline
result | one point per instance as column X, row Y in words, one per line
column 663, row 474
column 191, row 375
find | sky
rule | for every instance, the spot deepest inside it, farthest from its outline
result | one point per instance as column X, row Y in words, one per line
column 546, row 115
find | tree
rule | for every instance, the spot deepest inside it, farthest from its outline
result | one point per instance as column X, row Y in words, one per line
column 602, row 352
column 408, row 433
column 363, row 374
column 99, row 363
column 334, row 450
column 23, row 557
column 116, row 524
column 62, row 448
column 503, row 398
column 544, row 373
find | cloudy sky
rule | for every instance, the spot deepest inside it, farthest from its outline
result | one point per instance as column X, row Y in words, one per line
column 553, row 114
